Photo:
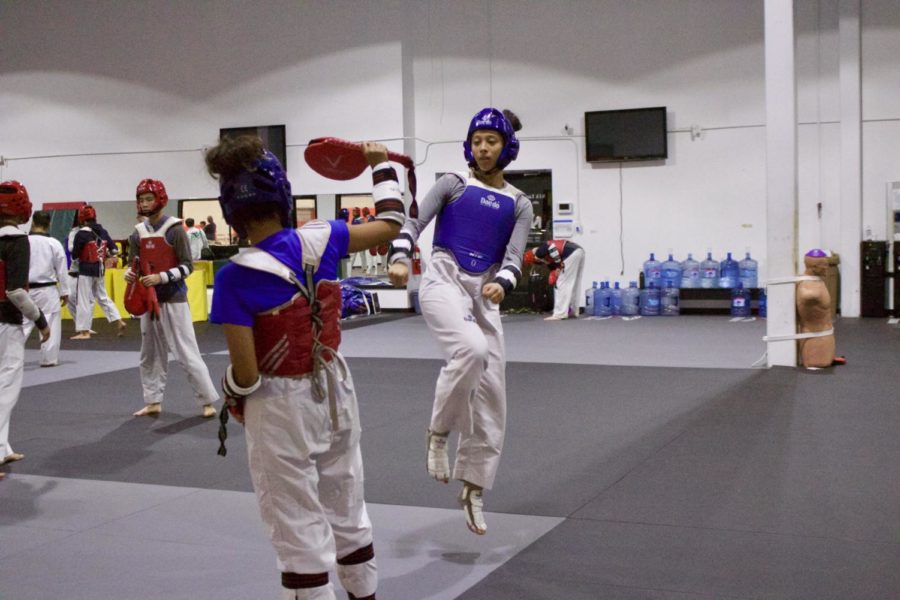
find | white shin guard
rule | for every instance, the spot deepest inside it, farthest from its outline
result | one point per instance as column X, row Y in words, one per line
column 361, row 580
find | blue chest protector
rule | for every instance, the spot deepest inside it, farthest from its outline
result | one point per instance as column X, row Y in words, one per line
column 476, row 227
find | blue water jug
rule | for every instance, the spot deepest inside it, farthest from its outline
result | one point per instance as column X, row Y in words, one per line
column 652, row 272
column 668, row 300
column 690, row 272
column 650, row 301
column 601, row 301
column 740, row 301
column 631, row 300
column 615, row 300
column 728, row 272
column 748, row 270
column 709, row 272
column 589, row 299
column 763, row 303
column 671, row 272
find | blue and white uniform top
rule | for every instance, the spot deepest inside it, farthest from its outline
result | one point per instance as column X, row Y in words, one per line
column 480, row 226
column 241, row 293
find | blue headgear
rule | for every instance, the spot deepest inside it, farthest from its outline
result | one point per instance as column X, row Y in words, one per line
column 265, row 183
column 817, row 253
column 493, row 119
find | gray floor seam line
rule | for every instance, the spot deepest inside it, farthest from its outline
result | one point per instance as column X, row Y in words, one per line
column 159, row 539
column 194, row 490
column 52, row 542
column 627, row 473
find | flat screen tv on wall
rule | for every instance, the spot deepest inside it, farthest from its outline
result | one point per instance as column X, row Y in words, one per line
column 272, row 136
column 626, row 135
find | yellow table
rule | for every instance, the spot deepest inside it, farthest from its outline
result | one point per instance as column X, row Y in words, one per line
column 207, row 267
column 115, row 287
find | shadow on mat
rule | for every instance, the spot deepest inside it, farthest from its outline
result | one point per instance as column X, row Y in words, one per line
column 20, row 499
column 121, row 448
column 183, row 425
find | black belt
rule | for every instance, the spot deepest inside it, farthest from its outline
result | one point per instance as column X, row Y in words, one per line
column 33, row 286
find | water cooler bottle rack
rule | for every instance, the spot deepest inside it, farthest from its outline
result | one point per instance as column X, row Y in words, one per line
column 709, row 301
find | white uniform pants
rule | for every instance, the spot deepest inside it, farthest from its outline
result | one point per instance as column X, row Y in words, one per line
column 470, row 395
column 47, row 299
column 73, row 298
column 173, row 330
column 363, row 257
column 309, row 480
column 12, row 362
column 87, row 290
column 568, row 286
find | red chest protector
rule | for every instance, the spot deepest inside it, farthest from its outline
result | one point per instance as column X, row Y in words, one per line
column 94, row 250
column 157, row 255
column 289, row 338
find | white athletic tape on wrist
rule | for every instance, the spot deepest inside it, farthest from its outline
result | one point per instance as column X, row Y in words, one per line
column 508, row 275
column 402, row 244
column 238, row 390
column 400, row 257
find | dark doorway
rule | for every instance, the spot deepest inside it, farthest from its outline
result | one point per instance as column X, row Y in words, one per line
column 533, row 293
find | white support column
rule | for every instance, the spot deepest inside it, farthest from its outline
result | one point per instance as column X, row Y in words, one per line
column 851, row 155
column 409, row 107
column 781, row 176
column 326, row 206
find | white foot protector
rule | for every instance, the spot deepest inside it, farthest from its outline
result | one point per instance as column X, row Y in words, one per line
column 436, row 462
column 473, row 506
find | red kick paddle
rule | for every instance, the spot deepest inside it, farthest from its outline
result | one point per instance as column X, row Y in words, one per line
column 339, row 159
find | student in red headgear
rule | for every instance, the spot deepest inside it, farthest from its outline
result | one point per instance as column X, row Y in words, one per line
column 91, row 245
column 15, row 305
column 162, row 246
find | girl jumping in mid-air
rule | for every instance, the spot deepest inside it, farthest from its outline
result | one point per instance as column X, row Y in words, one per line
column 480, row 235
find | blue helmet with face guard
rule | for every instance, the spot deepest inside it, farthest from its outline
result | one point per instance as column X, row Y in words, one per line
column 493, row 120
column 264, row 183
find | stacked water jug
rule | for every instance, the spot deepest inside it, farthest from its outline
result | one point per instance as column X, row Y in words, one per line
column 662, row 281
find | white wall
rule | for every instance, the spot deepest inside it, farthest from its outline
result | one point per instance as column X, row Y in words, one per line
column 159, row 78
column 152, row 82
